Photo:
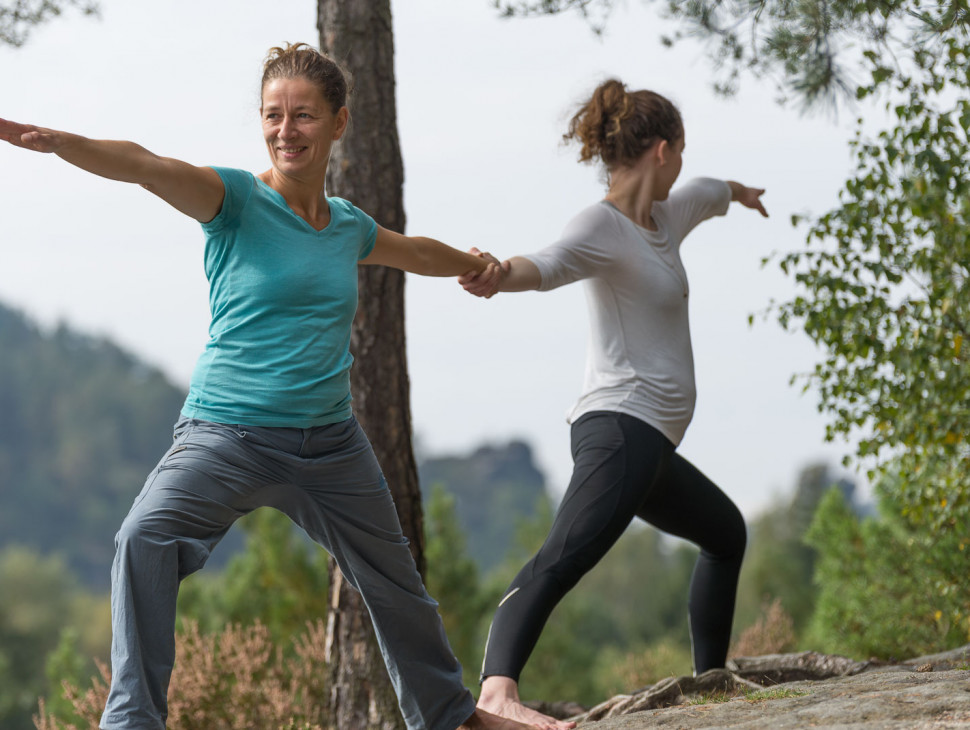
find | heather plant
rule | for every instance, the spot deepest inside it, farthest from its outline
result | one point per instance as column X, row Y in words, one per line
column 772, row 633
column 237, row 679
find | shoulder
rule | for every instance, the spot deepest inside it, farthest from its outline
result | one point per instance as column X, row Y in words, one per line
column 701, row 189
column 590, row 245
column 348, row 217
column 342, row 208
column 594, row 222
column 339, row 205
column 238, row 190
column 695, row 201
column 232, row 177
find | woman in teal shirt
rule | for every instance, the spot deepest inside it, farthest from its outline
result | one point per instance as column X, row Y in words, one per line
column 268, row 421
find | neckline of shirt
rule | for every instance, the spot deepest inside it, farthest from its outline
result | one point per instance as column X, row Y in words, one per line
column 280, row 199
column 658, row 236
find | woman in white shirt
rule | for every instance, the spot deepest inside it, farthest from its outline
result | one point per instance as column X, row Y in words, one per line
column 638, row 396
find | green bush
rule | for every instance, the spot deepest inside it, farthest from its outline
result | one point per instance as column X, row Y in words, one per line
column 883, row 585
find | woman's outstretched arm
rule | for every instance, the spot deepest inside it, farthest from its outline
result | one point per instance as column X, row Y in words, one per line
column 195, row 191
column 427, row 257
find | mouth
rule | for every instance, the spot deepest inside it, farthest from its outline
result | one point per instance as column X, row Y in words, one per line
column 290, row 152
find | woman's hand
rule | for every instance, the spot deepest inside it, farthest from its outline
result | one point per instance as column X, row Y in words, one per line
column 748, row 197
column 486, row 283
column 30, row 137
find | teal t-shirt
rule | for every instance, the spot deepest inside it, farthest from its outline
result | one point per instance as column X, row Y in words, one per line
column 282, row 297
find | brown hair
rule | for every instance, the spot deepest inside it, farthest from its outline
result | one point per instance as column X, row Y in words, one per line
column 301, row 60
column 618, row 126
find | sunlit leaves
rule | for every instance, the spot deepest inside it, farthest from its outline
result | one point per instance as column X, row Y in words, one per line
column 882, row 289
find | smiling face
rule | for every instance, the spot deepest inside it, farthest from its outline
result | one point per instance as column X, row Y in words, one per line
column 299, row 127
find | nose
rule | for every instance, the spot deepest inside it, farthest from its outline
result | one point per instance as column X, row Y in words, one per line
column 287, row 127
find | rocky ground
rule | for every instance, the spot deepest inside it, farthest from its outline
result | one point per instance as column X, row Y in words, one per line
column 805, row 690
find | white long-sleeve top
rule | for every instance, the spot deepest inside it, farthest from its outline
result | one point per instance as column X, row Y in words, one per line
column 639, row 357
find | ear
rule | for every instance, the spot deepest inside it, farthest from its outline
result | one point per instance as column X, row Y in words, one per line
column 662, row 151
column 343, row 119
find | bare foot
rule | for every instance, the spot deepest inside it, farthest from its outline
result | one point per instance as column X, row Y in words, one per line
column 500, row 696
column 482, row 720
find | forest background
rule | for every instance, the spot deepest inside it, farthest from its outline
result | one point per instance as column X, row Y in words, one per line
column 83, row 421
column 880, row 290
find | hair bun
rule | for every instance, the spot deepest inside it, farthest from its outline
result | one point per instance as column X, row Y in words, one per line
column 618, row 125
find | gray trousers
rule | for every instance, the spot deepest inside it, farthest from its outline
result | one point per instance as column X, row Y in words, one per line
column 328, row 481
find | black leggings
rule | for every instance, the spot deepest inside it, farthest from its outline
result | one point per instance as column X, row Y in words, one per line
column 623, row 469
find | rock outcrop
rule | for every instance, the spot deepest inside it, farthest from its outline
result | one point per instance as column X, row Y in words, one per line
column 805, row 690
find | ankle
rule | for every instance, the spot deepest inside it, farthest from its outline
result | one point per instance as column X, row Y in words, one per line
column 499, row 689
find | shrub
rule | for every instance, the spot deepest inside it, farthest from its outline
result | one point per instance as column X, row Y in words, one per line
column 235, row 680
column 772, row 633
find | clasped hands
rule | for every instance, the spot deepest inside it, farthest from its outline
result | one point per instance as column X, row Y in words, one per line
column 484, row 283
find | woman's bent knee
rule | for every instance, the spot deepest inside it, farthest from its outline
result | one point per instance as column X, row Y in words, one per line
column 730, row 542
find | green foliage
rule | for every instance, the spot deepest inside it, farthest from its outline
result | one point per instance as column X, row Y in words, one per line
column 453, row 581
column 42, row 609
column 489, row 486
column 646, row 578
column 280, row 579
column 810, row 48
column 65, row 664
column 81, row 424
column 778, row 564
column 814, row 48
column 561, row 666
column 883, row 292
column 873, row 578
column 622, row 670
column 18, row 17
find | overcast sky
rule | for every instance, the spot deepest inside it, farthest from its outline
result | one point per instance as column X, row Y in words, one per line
column 482, row 104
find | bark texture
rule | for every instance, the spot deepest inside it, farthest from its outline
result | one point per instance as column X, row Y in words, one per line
column 366, row 169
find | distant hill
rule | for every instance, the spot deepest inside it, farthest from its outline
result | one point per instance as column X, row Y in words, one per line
column 81, row 424
column 495, row 488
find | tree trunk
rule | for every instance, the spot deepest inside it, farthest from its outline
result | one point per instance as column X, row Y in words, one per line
column 366, row 169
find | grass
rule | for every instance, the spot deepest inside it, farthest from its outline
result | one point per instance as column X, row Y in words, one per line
column 775, row 694
column 747, row 695
column 714, row 698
